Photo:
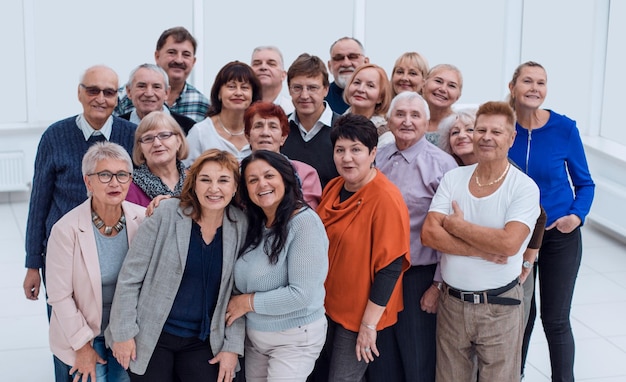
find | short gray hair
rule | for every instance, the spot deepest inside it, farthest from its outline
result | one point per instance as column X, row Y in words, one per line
column 409, row 96
column 273, row 49
column 104, row 150
column 154, row 68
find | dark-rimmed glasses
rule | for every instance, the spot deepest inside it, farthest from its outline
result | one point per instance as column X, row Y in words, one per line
column 150, row 138
column 106, row 176
column 95, row 91
column 351, row 56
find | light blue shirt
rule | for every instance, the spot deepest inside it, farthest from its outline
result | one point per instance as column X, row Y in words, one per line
column 88, row 131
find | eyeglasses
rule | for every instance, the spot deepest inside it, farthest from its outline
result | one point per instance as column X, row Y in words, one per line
column 162, row 136
column 312, row 89
column 95, row 91
column 105, row 176
column 351, row 56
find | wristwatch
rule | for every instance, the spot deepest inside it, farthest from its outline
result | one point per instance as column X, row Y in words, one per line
column 527, row 264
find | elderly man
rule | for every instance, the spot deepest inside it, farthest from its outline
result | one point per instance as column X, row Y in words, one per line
column 481, row 219
column 176, row 54
column 58, row 183
column 148, row 88
column 346, row 54
column 309, row 136
column 407, row 349
column 267, row 63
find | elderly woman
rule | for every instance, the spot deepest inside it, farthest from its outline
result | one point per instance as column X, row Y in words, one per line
column 416, row 167
column 85, row 253
column 441, row 90
column 456, row 132
column 409, row 73
column 160, row 146
column 367, row 223
column 267, row 128
column 369, row 93
column 280, row 272
column 548, row 148
column 234, row 89
column 167, row 319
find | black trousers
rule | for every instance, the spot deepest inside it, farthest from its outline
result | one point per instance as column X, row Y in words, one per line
column 408, row 348
column 179, row 359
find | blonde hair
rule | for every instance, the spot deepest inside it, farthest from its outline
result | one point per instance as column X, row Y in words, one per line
column 153, row 121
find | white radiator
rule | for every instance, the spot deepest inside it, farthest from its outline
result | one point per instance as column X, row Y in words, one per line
column 12, row 174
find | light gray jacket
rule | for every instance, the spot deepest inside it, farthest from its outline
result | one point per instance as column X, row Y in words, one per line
column 150, row 277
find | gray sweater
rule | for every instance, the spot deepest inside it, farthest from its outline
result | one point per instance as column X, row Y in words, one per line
column 291, row 292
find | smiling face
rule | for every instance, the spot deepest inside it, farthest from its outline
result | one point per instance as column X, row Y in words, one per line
column 408, row 122
column 266, row 134
column 162, row 151
column 407, row 77
column 309, row 101
column 147, row 91
column 530, row 89
column 345, row 56
column 176, row 58
column 265, row 186
column 442, row 88
column 98, row 108
column 268, row 67
column 461, row 141
column 363, row 92
column 236, row 95
column 493, row 137
column 354, row 163
column 107, row 194
column 214, row 187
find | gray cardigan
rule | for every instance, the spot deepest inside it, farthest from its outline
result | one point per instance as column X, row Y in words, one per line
column 151, row 275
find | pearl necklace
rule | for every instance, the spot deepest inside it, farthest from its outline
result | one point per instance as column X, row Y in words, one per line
column 228, row 131
column 99, row 223
column 494, row 181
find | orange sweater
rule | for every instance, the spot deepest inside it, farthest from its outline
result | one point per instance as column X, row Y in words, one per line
column 366, row 233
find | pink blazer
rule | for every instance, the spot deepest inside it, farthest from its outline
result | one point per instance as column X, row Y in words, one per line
column 73, row 280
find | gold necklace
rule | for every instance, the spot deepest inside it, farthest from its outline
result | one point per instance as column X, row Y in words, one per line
column 228, row 131
column 494, row 181
column 99, row 223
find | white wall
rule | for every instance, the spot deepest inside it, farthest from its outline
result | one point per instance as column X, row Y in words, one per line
column 49, row 43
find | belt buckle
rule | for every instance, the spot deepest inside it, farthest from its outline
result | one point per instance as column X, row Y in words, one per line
column 475, row 297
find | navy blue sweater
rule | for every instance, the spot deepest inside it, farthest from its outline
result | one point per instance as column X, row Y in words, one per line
column 58, row 184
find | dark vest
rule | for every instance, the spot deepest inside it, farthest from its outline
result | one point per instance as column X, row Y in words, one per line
column 185, row 123
column 318, row 152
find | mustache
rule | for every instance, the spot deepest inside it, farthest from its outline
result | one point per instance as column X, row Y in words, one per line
column 177, row 65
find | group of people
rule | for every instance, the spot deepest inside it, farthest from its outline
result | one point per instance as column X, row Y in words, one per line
column 363, row 229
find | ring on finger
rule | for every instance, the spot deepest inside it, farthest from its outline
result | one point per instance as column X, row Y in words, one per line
column 367, row 350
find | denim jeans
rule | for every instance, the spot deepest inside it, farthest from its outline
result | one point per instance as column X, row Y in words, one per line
column 559, row 260
column 112, row 371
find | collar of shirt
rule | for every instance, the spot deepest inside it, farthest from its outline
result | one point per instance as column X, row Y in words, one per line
column 409, row 154
column 134, row 117
column 88, row 131
column 326, row 119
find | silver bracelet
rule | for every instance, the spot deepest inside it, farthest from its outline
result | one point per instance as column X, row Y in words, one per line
column 372, row 327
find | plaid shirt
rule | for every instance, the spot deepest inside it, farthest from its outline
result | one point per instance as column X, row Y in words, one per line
column 190, row 103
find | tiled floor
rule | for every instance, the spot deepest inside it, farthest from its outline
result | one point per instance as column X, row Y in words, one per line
column 598, row 314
